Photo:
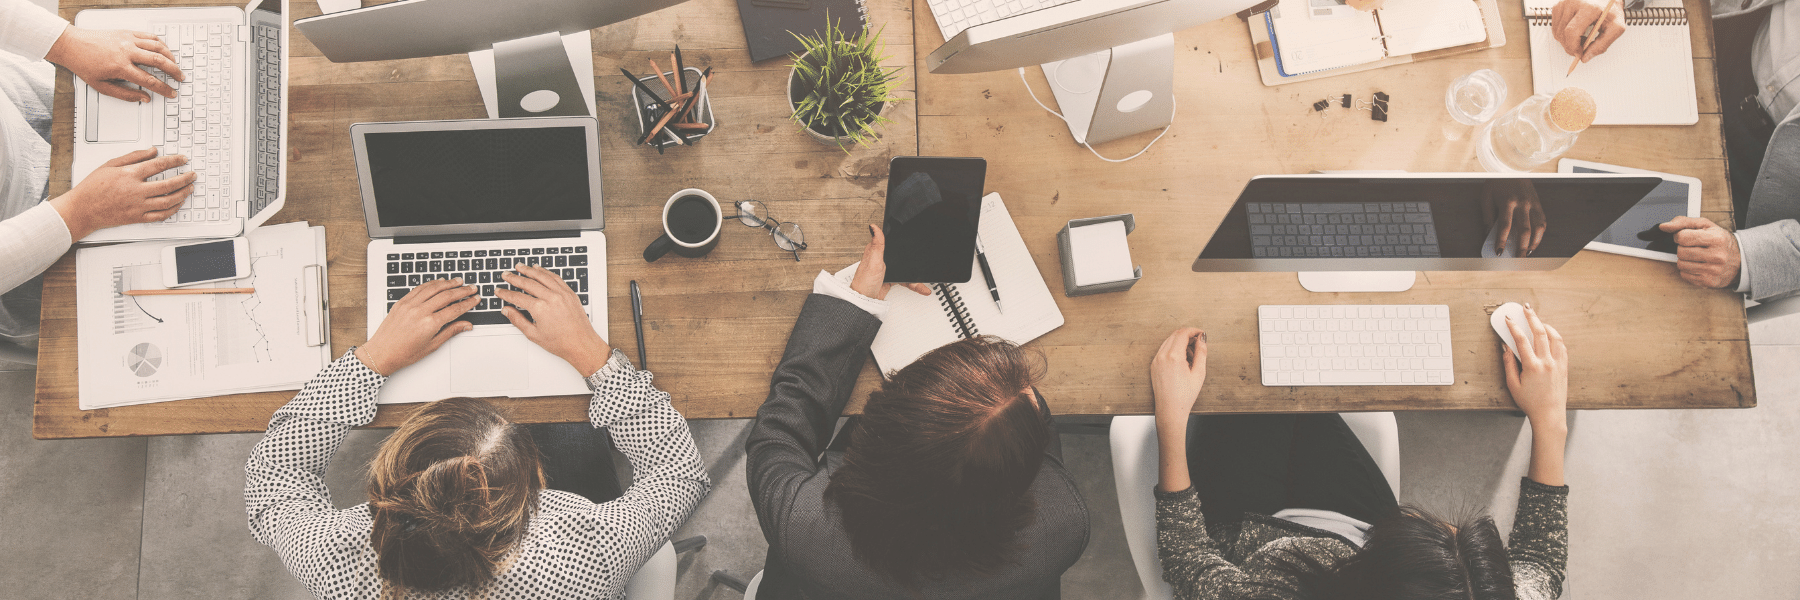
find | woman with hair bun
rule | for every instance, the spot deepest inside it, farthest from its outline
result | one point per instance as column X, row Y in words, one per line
column 464, row 503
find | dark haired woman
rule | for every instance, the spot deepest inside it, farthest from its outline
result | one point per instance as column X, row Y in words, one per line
column 458, row 501
column 1296, row 509
column 950, row 484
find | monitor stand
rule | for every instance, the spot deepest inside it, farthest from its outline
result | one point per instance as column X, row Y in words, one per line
column 1117, row 92
column 546, row 75
column 1358, row 281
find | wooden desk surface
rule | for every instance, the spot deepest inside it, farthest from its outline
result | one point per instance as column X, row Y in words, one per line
column 715, row 326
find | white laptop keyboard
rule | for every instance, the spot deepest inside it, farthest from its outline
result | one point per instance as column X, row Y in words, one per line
column 1404, row 344
column 197, row 122
column 953, row 16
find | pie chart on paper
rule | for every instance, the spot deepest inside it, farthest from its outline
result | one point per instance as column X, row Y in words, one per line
column 144, row 359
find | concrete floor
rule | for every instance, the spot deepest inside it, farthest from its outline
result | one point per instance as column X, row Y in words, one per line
column 1665, row 504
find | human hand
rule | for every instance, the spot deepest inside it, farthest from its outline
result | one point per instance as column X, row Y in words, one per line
column 1538, row 377
column 105, row 58
column 1511, row 202
column 869, row 276
column 557, row 321
column 418, row 324
column 1364, row 5
column 1708, row 255
column 117, row 193
column 1570, row 19
column 1177, row 373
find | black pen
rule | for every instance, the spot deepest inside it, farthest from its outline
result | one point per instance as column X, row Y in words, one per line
column 988, row 274
column 637, row 320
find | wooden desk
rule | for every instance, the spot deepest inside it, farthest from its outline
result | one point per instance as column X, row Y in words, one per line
column 716, row 325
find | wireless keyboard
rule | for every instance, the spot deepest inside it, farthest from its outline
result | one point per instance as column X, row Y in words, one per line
column 1395, row 344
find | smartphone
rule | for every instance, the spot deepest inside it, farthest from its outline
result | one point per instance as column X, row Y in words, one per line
column 205, row 262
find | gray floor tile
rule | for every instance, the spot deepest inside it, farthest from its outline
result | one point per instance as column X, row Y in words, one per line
column 73, row 508
column 1105, row 569
column 1778, row 331
column 734, row 541
column 196, row 541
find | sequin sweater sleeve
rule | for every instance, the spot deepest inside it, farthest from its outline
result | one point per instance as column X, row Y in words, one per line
column 1539, row 545
column 1191, row 559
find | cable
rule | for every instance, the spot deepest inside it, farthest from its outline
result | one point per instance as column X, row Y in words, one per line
column 1090, row 148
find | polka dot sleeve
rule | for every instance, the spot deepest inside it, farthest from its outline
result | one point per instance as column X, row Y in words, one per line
column 284, row 481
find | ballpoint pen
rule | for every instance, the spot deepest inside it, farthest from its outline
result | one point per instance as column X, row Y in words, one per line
column 988, row 274
column 637, row 320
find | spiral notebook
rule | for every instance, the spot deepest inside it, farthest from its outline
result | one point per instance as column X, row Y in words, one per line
column 1645, row 78
column 918, row 324
column 770, row 25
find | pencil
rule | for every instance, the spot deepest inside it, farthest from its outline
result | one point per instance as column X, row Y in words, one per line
column 664, row 80
column 641, row 87
column 1588, row 38
column 191, row 291
column 680, row 69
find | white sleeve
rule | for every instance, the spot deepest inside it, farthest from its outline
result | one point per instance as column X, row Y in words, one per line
column 27, row 30
column 1743, row 268
column 32, row 241
column 827, row 285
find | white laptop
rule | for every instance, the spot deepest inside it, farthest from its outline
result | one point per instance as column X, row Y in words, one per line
column 446, row 199
column 228, row 118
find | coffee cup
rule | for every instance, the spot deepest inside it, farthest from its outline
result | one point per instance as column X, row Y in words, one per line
column 690, row 220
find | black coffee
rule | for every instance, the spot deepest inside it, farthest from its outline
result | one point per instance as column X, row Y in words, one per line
column 692, row 219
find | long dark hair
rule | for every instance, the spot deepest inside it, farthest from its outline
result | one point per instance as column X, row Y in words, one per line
column 1412, row 555
column 936, row 479
column 451, row 491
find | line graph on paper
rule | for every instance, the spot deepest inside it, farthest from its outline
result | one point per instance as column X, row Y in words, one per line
column 128, row 314
column 241, row 334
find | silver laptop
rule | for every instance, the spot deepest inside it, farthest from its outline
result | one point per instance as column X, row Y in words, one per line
column 468, row 199
column 228, row 118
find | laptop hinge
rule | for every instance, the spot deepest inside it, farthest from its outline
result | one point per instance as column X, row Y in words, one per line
column 487, row 237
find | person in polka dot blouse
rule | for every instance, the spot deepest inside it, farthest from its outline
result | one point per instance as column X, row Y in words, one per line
column 458, row 504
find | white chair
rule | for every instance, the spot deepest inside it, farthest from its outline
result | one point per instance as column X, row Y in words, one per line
column 656, row 579
column 747, row 587
column 1773, row 309
column 1134, row 459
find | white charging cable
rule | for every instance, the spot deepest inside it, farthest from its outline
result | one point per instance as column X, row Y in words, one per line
column 1090, row 148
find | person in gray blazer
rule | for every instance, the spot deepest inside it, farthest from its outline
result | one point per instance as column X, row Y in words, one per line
column 949, row 485
column 1758, row 43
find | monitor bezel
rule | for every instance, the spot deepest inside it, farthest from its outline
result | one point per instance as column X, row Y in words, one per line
column 371, row 216
column 1295, row 265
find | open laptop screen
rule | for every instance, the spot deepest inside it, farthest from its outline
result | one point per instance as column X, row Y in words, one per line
column 497, row 175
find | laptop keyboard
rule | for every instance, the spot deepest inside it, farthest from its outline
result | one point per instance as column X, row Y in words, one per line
column 482, row 267
column 197, row 121
column 1342, row 229
column 953, row 16
column 265, row 42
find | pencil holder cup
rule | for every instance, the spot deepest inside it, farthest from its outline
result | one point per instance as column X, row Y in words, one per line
column 649, row 111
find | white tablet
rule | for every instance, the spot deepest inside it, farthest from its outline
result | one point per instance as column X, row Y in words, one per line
column 1635, row 234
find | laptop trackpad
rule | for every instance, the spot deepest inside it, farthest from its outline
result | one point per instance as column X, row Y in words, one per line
column 488, row 363
column 112, row 119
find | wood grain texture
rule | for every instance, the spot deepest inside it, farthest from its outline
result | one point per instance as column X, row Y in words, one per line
column 715, row 326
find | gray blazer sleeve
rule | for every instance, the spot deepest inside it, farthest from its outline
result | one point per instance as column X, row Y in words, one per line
column 810, row 387
column 1771, row 255
column 1770, row 237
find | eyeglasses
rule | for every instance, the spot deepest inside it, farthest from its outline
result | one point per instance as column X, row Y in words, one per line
column 787, row 235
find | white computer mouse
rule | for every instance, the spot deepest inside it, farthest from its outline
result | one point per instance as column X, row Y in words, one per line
column 1498, row 320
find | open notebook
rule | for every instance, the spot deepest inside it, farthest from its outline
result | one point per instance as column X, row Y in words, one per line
column 918, row 324
column 1304, row 44
column 1645, row 78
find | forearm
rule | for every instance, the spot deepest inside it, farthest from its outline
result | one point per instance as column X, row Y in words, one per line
column 647, row 429
column 31, row 242
column 287, row 467
column 1770, row 256
column 27, row 30
column 1549, row 436
column 1171, row 451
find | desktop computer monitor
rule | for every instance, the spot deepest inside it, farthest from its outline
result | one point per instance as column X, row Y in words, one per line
column 1110, row 62
column 1370, row 232
column 525, row 35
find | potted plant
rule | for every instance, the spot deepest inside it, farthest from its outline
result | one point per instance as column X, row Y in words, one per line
column 838, row 87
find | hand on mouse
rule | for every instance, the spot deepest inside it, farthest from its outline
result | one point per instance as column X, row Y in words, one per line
column 105, row 58
column 1177, row 373
column 1707, row 255
column 558, row 322
column 870, row 275
column 117, row 193
column 418, row 324
column 1538, row 377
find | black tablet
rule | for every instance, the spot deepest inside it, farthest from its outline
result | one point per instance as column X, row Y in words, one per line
column 933, row 213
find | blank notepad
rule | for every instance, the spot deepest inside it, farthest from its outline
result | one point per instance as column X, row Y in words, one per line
column 1645, row 78
column 1100, row 253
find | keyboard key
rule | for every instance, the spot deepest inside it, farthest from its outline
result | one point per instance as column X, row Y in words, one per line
column 396, row 294
column 396, row 281
column 484, row 318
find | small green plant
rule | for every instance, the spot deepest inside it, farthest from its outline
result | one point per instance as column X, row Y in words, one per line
column 840, row 85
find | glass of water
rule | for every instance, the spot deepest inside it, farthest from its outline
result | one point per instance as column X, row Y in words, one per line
column 1474, row 98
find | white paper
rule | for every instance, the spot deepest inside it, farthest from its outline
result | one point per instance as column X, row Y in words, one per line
column 141, row 349
column 1413, row 26
column 1101, row 254
column 1306, row 44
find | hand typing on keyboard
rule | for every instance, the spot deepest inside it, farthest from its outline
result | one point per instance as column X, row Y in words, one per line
column 117, row 193
column 558, row 321
column 418, row 324
column 108, row 59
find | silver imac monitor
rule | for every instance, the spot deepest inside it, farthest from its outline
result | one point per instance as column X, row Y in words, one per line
column 529, row 55
column 1371, row 232
column 1110, row 62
